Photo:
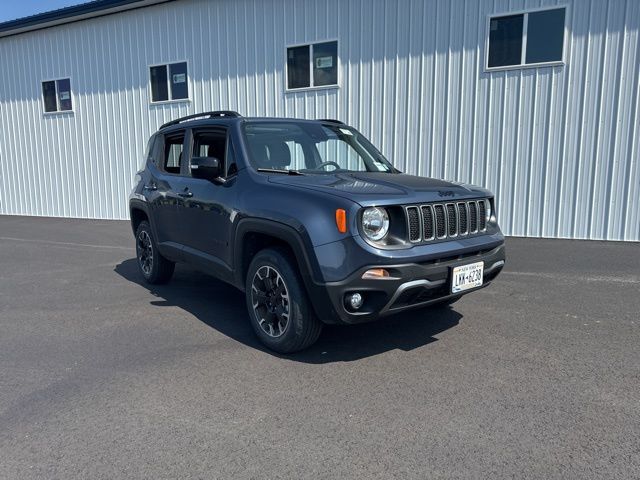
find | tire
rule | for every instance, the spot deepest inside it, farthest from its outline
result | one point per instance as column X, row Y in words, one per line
column 279, row 310
column 155, row 269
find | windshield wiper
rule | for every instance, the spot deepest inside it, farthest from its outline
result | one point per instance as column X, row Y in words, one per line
column 278, row 170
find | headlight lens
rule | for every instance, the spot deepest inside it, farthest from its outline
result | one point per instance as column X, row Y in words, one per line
column 375, row 223
column 488, row 210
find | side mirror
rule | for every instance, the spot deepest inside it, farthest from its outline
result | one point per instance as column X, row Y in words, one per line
column 207, row 168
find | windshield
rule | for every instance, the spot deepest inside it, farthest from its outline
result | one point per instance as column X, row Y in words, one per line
column 310, row 147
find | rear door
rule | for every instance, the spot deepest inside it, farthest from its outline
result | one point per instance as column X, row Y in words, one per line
column 163, row 191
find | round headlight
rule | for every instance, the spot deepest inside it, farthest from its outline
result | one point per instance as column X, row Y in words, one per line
column 375, row 223
column 488, row 210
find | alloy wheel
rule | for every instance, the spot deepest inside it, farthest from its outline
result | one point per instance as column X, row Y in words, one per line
column 145, row 252
column 270, row 300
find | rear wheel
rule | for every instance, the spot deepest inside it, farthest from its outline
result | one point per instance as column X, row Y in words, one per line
column 279, row 310
column 153, row 266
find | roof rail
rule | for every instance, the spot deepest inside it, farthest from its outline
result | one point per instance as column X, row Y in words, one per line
column 217, row 113
column 331, row 120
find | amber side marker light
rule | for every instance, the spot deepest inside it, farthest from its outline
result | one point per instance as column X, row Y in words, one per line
column 341, row 220
column 375, row 274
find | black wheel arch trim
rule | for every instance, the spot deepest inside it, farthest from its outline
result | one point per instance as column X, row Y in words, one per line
column 136, row 204
column 300, row 245
column 281, row 231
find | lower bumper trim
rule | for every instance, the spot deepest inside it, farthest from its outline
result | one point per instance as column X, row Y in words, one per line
column 409, row 285
column 415, row 285
column 498, row 264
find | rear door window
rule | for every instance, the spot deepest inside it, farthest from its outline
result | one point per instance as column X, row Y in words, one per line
column 173, row 153
column 150, row 151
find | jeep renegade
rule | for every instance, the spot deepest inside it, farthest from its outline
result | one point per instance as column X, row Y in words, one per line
column 310, row 220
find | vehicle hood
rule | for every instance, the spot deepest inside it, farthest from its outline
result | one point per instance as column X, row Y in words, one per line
column 379, row 188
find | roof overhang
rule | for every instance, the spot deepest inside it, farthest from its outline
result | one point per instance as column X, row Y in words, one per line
column 75, row 13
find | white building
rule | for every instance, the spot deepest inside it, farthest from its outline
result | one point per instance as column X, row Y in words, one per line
column 536, row 100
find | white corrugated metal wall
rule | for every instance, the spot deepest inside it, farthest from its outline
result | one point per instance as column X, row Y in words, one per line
column 558, row 145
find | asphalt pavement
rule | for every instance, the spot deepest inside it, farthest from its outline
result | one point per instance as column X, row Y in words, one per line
column 101, row 376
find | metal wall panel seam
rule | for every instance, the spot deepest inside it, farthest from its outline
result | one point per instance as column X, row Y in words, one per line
column 547, row 195
column 458, row 170
column 69, row 137
column 118, row 154
column 569, row 72
column 25, row 166
column 531, row 155
column 78, row 169
column 89, row 134
column 11, row 154
column 475, row 88
column 577, row 175
column 21, row 167
column 516, row 156
column 24, row 198
column 631, row 200
column 444, row 137
column 626, row 128
column 5, row 177
column 600, row 101
column 632, row 217
column 434, row 95
column 615, row 127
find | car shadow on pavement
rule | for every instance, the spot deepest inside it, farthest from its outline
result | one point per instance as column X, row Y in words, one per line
column 222, row 307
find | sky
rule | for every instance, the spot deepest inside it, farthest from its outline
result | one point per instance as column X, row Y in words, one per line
column 12, row 9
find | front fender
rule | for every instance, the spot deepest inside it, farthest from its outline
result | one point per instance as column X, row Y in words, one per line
column 297, row 239
column 303, row 251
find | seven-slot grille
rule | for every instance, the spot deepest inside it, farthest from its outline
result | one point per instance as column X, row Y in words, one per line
column 446, row 220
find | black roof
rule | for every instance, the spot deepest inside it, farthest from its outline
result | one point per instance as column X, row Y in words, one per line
column 69, row 14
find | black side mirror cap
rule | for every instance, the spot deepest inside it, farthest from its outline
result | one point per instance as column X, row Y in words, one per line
column 205, row 167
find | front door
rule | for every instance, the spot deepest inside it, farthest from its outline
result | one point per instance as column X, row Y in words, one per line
column 207, row 208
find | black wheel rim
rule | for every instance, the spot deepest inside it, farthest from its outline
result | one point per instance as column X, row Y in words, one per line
column 145, row 252
column 270, row 300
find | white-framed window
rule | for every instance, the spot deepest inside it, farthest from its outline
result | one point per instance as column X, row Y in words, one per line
column 56, row 95
column 169, row 82
column 312, row 65
column 526, row 39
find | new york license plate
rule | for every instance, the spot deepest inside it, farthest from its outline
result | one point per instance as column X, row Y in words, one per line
column 466, row 277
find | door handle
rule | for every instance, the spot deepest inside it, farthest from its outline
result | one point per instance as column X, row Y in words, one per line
column 150, row 187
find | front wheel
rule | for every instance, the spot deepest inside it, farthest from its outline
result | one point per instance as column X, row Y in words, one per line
column 279, row 310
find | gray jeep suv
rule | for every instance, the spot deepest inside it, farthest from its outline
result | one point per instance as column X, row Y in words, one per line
column 309, row 220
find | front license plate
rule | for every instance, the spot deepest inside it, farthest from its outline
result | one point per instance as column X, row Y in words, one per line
column 466, row 277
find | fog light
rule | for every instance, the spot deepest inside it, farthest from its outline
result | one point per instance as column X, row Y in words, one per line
column 355, row 300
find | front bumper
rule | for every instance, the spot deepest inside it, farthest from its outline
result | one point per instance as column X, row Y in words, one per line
column 410, row 285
